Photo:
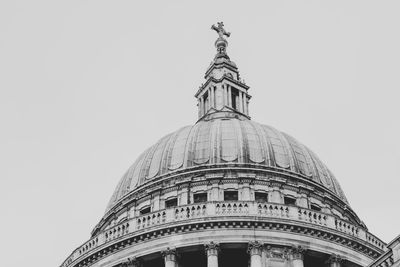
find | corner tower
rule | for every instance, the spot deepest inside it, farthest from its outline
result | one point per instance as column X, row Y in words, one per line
column 224, row 94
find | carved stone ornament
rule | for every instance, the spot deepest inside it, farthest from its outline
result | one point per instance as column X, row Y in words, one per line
column 211, row 248
column 169, row 254
column 254, row 248
column 277, row 253
column 334, row 258
column 297, row 252
column 132, row 262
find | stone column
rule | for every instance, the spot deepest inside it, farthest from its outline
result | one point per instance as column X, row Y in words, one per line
column 212, row 250
column 255, row 251
column 335, row 261
column 240, row 106
column 229, row 96
column 201, row 106
column 297, row 256
column 245, row 104
column 169, row 256
column 211, row 96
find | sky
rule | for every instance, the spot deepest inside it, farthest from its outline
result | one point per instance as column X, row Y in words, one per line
column 86, row 86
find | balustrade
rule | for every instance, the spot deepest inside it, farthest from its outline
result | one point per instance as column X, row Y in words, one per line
column 224, row 208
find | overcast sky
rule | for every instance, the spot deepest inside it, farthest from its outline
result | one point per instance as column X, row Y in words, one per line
column 86, row 86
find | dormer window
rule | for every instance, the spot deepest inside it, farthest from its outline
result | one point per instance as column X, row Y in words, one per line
column 315, row 207
column 145, row 210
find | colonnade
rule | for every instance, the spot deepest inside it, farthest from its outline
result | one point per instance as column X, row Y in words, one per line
column 261, row 255
column 211, row 101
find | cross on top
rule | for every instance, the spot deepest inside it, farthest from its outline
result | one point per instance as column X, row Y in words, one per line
column 220, row 30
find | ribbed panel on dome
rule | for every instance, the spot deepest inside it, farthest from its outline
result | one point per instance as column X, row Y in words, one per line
column 222, row 141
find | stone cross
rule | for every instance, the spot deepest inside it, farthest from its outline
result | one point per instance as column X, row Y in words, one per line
column 220, row 30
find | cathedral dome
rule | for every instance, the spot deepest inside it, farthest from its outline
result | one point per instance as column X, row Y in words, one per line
column 226, row 141
column 231, row 184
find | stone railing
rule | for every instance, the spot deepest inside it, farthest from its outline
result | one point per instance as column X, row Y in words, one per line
column 226, row 209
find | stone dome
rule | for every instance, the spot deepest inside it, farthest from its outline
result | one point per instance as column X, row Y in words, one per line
column 222, row 141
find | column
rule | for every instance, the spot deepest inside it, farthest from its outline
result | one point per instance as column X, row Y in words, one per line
column 297, row 256
column 229, row 96
column 212, row 250
column 169, row 256
column 240, row 106
column 201, row 106
column 226, row 95
column 245, row 104
column 209, row 99
column 255, row 251
column 335, row 261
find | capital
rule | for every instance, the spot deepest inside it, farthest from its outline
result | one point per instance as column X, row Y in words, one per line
column 211, row 248
column 335, row 259
column 254, row 248
column 169, row 254
column 132, row 262
column 297, row 252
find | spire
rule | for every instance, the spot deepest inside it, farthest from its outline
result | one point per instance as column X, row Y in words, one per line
column 223, row 94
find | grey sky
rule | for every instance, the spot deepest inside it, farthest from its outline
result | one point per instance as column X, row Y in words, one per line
column 87, row 85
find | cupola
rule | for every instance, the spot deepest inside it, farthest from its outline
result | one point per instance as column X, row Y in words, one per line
column 224, row 94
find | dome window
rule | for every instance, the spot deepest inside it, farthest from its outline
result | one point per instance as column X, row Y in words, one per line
column 290, row 201
column 315, row 207
column 145, row 210
column 231, row 195
column 261, row 197
column 200, row 197
column 173, row 202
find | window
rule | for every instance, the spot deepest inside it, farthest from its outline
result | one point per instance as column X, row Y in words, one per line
column 261, row 197
column 200, row 197
column 290, row 201
column 230, row 195
column 315, row 207
column 145, row 211
column 173, row 202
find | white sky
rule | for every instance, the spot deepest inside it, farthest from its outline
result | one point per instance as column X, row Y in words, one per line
column 85, row 86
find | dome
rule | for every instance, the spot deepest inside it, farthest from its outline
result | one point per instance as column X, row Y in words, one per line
column 231, row 184
column 222, row 141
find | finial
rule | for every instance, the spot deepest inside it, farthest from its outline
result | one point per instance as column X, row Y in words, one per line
column 221, row 43
column 220, row 30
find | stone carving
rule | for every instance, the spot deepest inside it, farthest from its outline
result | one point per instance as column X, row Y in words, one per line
column 335, row 260
column 211, row 248
column 277, row 253
column 254, row 248
column 297, row 253
column 132, row 262
column 169, row 254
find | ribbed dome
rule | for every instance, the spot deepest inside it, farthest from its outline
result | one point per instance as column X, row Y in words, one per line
column 222, row 141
